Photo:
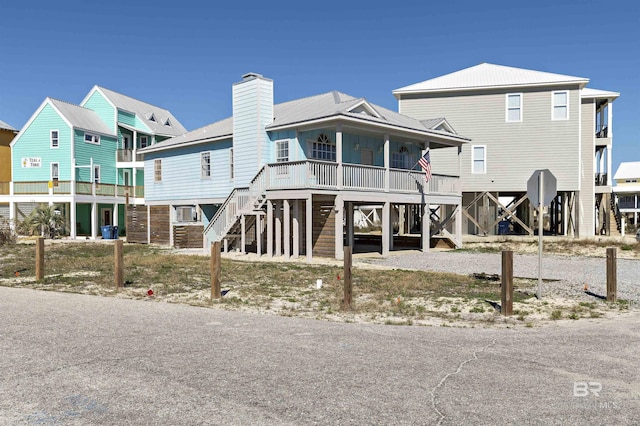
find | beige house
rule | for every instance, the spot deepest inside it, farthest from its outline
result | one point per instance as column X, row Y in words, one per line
column 520, row 121
column 627, row 194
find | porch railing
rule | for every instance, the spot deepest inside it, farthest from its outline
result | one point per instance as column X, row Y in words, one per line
column 64, row 188
column 367, row 178
column 126, row 155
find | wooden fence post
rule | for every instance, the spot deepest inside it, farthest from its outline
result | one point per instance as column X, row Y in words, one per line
column 39, row 258
column 346, row 303
column 119, row 263
column 215, row 270
column 612, row 275
column 506, row 306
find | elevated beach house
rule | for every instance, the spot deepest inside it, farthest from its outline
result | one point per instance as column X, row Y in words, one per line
column 7, row 133
column 284, row 180
column 519, row 121
column 84, row 158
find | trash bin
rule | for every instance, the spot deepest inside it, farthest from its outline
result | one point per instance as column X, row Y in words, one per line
column 114, row 235
column 503, row 227
column 106, row 232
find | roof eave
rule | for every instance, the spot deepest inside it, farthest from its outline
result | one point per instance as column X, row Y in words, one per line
column 156, row 148
column 399, row 92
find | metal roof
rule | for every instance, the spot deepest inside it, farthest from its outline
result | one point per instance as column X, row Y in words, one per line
column 628, row 170
column 81, row 118
column 5, row 126
column 598, row 94
column 326, row 105
column 144, row 112
column 486, row 76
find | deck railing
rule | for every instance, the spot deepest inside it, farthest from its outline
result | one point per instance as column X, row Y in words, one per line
column 367, row 178
column 126, row 156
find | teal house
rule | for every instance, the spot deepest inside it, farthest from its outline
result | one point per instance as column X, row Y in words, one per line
column 290, row 179
column 84, row 158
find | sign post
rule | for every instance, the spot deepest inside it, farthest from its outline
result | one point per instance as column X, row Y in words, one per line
column 541, row 189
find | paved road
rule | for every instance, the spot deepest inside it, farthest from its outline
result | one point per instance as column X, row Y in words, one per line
column 74, row 359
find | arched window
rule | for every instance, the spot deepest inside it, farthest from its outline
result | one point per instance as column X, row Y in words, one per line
column 400, row 159
column 323, row 149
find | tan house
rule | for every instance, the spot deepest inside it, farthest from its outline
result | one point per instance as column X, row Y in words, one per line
column 519, row 121
column 627, row 194
column 7, row 133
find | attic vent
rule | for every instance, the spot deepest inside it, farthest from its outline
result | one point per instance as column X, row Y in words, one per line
column 167, row 123
column 152, row 118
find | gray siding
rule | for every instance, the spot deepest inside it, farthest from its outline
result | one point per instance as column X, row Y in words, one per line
column 586, row 200
column 513, row 149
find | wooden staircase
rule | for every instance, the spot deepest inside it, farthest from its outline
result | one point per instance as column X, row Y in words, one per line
column 614, row 217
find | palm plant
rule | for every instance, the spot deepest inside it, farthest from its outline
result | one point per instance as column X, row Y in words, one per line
column 46, row 221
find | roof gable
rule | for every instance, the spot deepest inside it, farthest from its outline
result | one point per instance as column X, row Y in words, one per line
column 487, row 76
column 5, row 126
column 628, row 170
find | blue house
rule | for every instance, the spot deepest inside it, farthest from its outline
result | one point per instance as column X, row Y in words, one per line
column 83, row 158
column 285, row 179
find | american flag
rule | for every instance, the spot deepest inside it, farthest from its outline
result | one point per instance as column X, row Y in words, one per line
column 425, row 163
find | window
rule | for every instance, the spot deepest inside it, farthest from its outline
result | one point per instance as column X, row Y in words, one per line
column 323, row 149
column 514, row 107
column 400, row 159
column 186, row 214
column 157, row 170
column 560, row 109
column 231, row 163
column 152, row 118
column 144, row 141
column 479, row 159
column 54, row 139
column 91, row 138
column 55, row 173
column 282, row 151
column 205, row 165
column 96, row 174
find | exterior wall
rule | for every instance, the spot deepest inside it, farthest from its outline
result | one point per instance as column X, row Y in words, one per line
column 102, row 155
column 586, row 199
column 513, row 149
column 181, row 177
column 6, row 136
column 137, row 224
column 296, row 152
column 35, row 141
column 252, row 111
column 102, row 107
column 160, row 226
column 127, row 118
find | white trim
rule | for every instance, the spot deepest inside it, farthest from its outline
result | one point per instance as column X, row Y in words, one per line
column 553, row 105
column 156, row 148
column 484, row 160
column 366, row 105
column 279, row 141
column 203, row 175
column 51, row 139
column 93, row 136
column 506, row 107
column 400, row 92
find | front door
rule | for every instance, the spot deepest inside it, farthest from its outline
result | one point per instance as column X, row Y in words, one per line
column 106, row 217
column 126, row 141
column 126, row 178
column 366, row 157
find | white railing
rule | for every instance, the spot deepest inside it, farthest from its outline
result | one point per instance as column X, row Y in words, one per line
column 322, row 175
column 368, row 178
column 406, row 181
column 442, row 184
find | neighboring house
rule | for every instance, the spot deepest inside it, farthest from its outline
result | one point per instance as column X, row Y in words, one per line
column 285, row 179
column 520, row 121
column 83, row 158
column 7, row 133
column 627, row 194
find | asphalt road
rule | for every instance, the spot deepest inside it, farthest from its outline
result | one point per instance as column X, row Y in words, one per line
column 74, row 359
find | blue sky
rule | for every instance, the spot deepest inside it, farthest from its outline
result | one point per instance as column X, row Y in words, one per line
column 185, row 55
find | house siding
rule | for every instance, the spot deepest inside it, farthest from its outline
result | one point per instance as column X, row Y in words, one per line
column 102, row 155
column 181, row 178
column 102, row 107
column 513, row 149
column 252, row 111
column 35, row 141
column 587, row 202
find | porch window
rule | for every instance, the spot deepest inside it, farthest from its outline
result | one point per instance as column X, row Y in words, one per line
column 144, row 141
column 560, row 105
column 54, row 139
column 479, row 159
column 323, row 149
column 157, row 170
column 91, row 138
column 205, row 165
column 400, row 159
column 96, row 173
column 514, row 107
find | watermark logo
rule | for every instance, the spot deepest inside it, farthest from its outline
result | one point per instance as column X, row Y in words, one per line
column 584, row 389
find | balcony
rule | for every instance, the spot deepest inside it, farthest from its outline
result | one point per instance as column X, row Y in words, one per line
column 601, row 179
column 324, row 175
column 126, row 156
column 64, row 188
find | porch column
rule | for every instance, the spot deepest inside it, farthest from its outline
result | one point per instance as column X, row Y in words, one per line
column 12, row 215
column 339, row 155
column 460, row 168
column 296, row 228
column 148, row 225
column 134, row 144
column 278, row 233
column 402, row 215
column 258, row 226
column 243, row 233
column 609, row 119
column 287, row 229
column 114, row 215
column 459, row 222
column 601, row 113
column 350, row 227
column 391, row 210
column 565, row 216
column 309, row 227
column 426, row 227
column 94, row 220
column 386, row 162
column 609, row 171
column 172, row 216
column 269, row 228
column 386, row 225
column 339, row 219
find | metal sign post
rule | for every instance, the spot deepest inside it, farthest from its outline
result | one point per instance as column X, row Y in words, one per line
column 540, row 231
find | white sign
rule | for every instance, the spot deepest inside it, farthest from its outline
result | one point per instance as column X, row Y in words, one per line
column 31, row 162
column 549, row 187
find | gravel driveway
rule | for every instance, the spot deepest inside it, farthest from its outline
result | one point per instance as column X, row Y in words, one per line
column 570, row 273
